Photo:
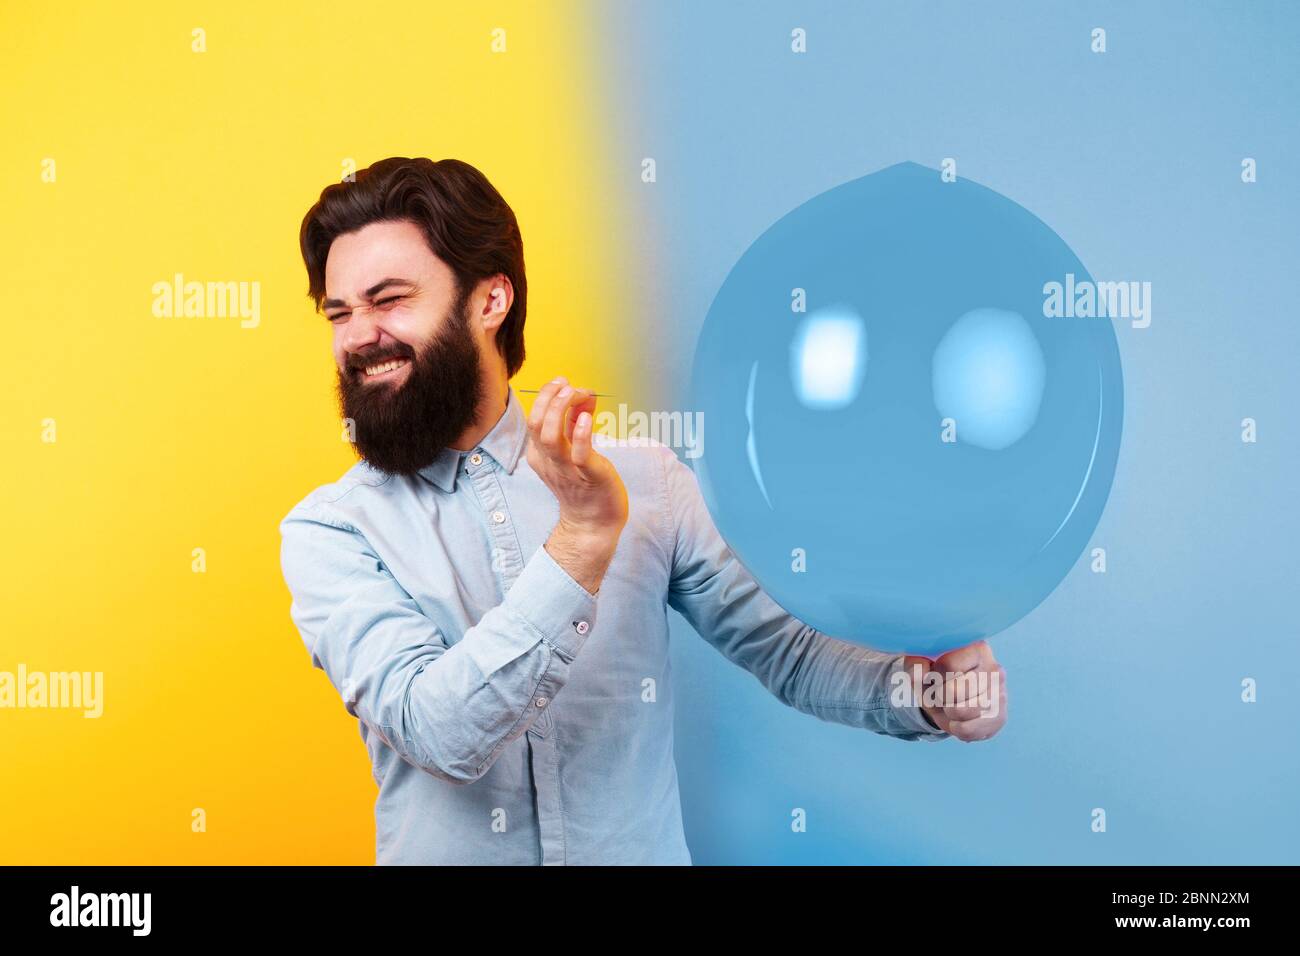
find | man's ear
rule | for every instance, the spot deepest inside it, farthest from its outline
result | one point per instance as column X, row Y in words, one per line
column 499, row 296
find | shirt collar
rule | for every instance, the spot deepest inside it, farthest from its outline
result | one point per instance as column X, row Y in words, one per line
column 504, row 444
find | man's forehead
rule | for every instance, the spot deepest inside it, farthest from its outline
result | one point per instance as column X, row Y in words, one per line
column 359, row 261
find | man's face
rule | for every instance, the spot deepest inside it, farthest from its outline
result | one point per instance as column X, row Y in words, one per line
column 409, row 376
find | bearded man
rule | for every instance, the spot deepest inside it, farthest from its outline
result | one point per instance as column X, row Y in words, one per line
column 488, row 590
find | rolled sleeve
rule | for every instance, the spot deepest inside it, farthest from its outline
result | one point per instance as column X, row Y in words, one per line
column 559, row 609
column 447, row 703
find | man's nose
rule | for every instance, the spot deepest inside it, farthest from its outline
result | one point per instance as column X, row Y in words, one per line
column 361, row 331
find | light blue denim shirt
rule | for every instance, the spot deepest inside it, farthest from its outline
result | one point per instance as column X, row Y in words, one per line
column 511, row 716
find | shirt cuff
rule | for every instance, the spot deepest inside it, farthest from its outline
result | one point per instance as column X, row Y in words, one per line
column 911, row 714
column 556, row 606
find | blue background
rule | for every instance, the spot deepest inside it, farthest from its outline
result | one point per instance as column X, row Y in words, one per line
column 1124, row 687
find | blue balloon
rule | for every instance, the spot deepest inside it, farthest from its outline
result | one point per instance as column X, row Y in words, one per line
column 902, row 447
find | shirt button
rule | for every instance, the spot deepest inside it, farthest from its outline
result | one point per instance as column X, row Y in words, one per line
column 582, row 627
column 540, row 702
column 498, row 517
column 476, row 459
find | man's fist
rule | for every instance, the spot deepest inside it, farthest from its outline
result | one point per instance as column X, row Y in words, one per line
column 964, row 692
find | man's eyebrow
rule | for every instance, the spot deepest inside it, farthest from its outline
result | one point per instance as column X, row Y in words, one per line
column 370, row 293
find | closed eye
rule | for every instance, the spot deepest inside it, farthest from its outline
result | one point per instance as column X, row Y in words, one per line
column 388, row 300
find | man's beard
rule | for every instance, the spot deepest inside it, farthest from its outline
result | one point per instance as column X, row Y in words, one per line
column 401, row 428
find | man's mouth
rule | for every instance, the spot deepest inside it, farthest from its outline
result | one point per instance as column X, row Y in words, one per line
column 384, row 369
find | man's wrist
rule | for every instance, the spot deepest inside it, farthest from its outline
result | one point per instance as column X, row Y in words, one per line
column 925, row 712
column 597, row 539
column 585, row 553
column 917, row 668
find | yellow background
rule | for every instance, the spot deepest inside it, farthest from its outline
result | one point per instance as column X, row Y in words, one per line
column 183, row 433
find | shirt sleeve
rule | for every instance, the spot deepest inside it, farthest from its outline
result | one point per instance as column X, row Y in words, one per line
column 448, row 706
column 803, row 668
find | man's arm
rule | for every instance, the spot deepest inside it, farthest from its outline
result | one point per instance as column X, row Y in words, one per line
column 451, row 707
column 804, row 668
column 447, row 707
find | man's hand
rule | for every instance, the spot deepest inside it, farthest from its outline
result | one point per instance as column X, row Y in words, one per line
column 593, row 500
column 968, row 697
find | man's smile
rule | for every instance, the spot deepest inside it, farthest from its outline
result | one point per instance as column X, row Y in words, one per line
column 391, row 368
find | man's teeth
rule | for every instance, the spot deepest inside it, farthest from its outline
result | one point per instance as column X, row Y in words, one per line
column 385, row 366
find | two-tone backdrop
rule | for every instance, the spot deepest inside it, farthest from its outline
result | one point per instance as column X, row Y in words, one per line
column 151, row 448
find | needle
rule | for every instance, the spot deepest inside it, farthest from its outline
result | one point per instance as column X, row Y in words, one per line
column 534, row 391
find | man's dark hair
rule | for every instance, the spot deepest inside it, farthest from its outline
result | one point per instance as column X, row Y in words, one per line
column 464, row 220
